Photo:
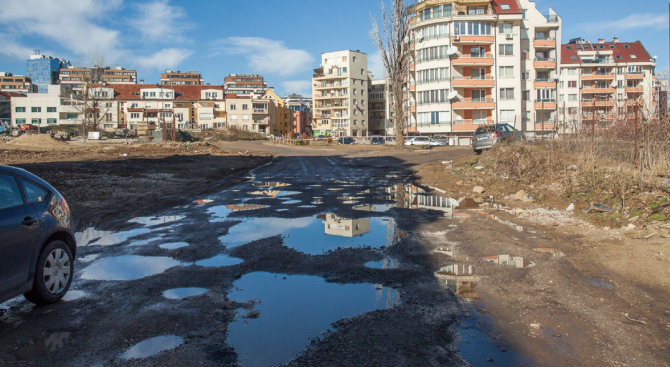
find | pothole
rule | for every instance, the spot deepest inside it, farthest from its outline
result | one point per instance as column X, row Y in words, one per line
column 153, row 346
column 181, row 293
column 127, row 267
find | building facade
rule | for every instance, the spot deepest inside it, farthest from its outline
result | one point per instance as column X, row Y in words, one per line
column 252, row 85
column 44, row 70
column 481, row 62
column 379, row 108
column 247, row 114
column 191, row 77
column 116, row 75
column 605, row 82
column 16, row 83
column 301, row 108
column 339, row 92
column 45, row 109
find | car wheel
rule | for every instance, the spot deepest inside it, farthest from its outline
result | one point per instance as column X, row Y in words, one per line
column 53, row 275
column 477, row 151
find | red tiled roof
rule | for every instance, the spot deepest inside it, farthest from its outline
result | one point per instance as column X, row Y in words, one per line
column 514, row 7
column 11, row 95
column 183, row 92
column 621, row 51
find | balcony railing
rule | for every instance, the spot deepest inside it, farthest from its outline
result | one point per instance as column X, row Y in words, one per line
column 475, row 100
column 420, row 60
column 551, row 18
column 435, row 80
column 549, row 59
column 469, row 77
column 424, row 38
column 441, row 100
column 544, row 38
column 546, row 100
column 545, row 80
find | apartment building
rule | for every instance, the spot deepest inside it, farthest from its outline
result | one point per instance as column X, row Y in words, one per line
column 249, row 114
column 45, row 109
column 6, row 105
column 340, row 88
column 379, row 108
column 481, row 62
column 283, row 116
column 605, row 81
column 111, row 75
column 43, row 70
column 245, row 85
column 16, row 83
column 301, row 108
column 191, row 77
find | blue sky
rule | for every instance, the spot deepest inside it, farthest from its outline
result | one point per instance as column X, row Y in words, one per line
column 281, row 39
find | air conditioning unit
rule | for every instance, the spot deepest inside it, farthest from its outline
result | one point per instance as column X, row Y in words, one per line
column 509, row 36
column 457, row 38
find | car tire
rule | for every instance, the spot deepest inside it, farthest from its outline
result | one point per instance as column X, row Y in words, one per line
column 55, row 256
column 477, row 151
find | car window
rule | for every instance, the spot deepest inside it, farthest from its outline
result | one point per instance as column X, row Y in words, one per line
column 506, row 128
column 34, row 193
column 10, row 194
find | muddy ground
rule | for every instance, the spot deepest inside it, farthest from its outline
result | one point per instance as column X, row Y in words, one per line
column 563, row 311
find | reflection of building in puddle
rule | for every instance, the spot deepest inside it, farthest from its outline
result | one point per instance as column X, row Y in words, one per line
column 509, row 260
column 414, row 197
column 274, row 193
column 154, row 221
column 344, row 227
column 457, row 269
column 271, row 184
column 460, row 279
column 554, row 252
column 245, row 207
column 49, row 343
column 449, row 251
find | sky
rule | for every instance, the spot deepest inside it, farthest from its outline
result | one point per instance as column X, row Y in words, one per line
column 280, row 39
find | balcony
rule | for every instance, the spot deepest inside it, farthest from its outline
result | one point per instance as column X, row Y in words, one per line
column 634, row 89
column 469, row 60
column 260, row 111
column 262, row 121
column 592, row 89
column 589, row 102
column 551, row 18
column 545, row 104
column 598, row 76
column 544, row 83
column 437, row 80
column 635, row 75
column 474, row 104
column 544, row 42
column 544, row 63
column 471, row 40
column 470, row 82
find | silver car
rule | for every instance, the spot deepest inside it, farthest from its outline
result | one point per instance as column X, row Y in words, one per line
column 486, row 136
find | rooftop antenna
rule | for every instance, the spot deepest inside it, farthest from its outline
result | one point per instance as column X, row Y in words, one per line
column 37, row 52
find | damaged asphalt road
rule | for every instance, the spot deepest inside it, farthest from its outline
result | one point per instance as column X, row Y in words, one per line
column 310, row 262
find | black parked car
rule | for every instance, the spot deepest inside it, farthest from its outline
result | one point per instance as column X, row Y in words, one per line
column 37, row 242
column 376, row 140
column 345, row 140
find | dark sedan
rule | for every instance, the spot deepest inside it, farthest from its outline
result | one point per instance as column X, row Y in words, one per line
column 37, row 242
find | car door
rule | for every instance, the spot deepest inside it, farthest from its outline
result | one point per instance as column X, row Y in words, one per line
column 19, row 228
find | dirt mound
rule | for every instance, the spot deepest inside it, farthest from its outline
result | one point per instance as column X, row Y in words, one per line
column 37, row 141
column 227, row 135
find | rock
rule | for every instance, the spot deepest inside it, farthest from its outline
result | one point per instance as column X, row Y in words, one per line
column 459, row 183
column 527, row 199
column 478, row 190
column 630, row 227
column 571, row 208
column 479, row 167
column 601, row 208
column 650, row 235
column 518, row 211
column 572, row 167
column 664, row 234
column 519, row 195
column 468, row 203
column 666, row 183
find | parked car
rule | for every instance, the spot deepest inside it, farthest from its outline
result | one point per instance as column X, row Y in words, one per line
column 441, row 138
column 438, row 143
column 486, row 136
column 320, row 138
column 37, row 241
column 279, row 136
column 345, row 140
column 377, row 140
column 418, row 140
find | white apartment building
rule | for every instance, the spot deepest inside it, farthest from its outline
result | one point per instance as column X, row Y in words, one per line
column 247, row 114
column 480, row 62
column 339, row 92
column 45, row 109
column 605, row 80
column 379, row 108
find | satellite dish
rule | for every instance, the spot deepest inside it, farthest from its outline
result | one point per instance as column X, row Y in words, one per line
column 452, row 51
column 459, row 118
column 613, row 84
column 555, row 77
column 452, row 94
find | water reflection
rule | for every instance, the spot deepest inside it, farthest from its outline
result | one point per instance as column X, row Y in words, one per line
column 94, row 237
column 413, row 197
column 49, row 343
column 509, row 260
column 274, row 193
column 127, row 267
column 153, row 346
column 460, row 279
column 181, row 293
column 154, row 221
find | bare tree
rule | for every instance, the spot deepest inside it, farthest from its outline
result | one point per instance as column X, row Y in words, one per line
column 393, row 44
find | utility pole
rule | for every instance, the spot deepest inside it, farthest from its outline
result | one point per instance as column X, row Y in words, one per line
column 637, row 109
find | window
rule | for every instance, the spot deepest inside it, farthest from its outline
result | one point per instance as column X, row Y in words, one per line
column 504, row 7
column 51, row 109
column 433, row 118
column 479, row 95
column 10, row 193
column 525, row 95
column 506, row 50
column 36, row 109
column 34, row 193
column 472, row 28
column 546, row 95
column 572, row 84
column 36, row 121
column 572, row 71
column 20, row 109
column 354, row 58
column 233, row 107
column 505, row 28
column 245, row 107
column 135, row 115
column 51, row 121
column 478, row 117
column 477, row 51
column 507, row 116
column 633, row 56
column 572, row 97
column 20, row 121
column 476, row 10
column 525, row 75
column 507, row 71
column 506, row 93
column 362, row 71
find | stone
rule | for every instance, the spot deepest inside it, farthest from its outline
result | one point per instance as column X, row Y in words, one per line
column 468, row 203
column 666, row 183
column 650, row 235
column 459, row 183
column 664, row 234
column 571, row 208
column 518, row 211
column 478, row 190
column 572, row 167
column 630, row 227
column 527, row 199
column 519, row 195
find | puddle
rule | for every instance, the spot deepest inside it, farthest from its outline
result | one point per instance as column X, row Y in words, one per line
column 271, row 184
column 128, row 267
column 181, row 293
column 479, row 350
column 173, row 245
column 154, row 221
column 88, row 258
column 219, row 261
column 350, row 198
column 281, row 210
column 335, row 189
column 307, row 206
column 513, row 261
column 376, row 208
column 74, row 295
column 274, row 193
column 457, row 269
column 350, row 202
column 48, row 343
column 221, row 212
column 449, row 251
column 414, row 197
column 203, row 201
column 554, row 252
column 316, row 235
column 317, row 202
column 291, row 202
column 599, row 283
column 153, row 346
column 388, row 263
column 143, row 242
column 460, row 279
column 293, row 309
column 94, row 237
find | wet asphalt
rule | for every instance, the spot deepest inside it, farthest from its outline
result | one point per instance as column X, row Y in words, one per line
column 311, row 261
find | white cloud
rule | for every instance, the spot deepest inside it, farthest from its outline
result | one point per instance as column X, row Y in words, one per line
column 168, row 58
column 633, row 21
column 265, row 55
column 71, row 23
column 12, row 50
column 158, row 21
column 303, row 87
column 376, row 66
